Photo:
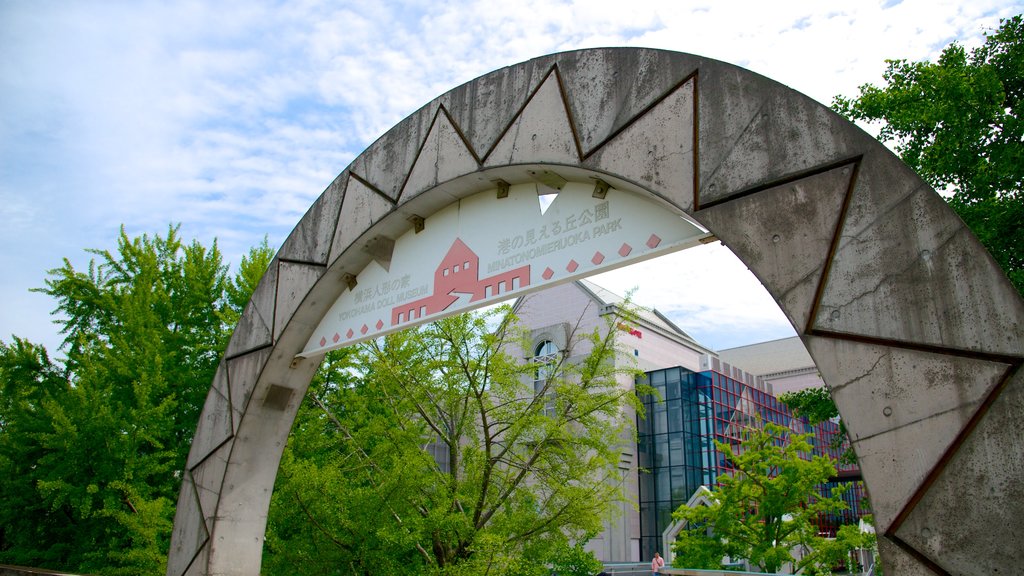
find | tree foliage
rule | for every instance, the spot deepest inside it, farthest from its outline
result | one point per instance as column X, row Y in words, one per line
column 91, row 446
column 440, row 458
column 817, row 405
column 958, row 123
column 765, row 508
column 831, row 552
column 814, row 403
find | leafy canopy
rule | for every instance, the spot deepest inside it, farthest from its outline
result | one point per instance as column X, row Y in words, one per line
column 431, row 451
column 91, row 445
column 817, row 405
column 765, row 508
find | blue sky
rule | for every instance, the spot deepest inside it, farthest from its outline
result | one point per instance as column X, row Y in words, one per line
column 230, row 117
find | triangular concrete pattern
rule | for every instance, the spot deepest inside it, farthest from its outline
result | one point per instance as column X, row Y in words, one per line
column 253, row 330
column 387, row 161
column 199, row 567
column 311, row 239
column 541, row 133
column 904, row 268
column 601, row 104
column 189, row 534
column 485, row 107
column 444, row 156
column 208, row 477
column 962, row 520
column 904, row 440
column 784, row 235
column 753, row 132
column 293, row 284
column 895, row 560
column 361, row 208
column 214, row 421
column 656, row 151
column 243, row 372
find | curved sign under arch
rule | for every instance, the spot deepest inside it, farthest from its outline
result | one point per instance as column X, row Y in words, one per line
column 495, row 245
column 915, row 329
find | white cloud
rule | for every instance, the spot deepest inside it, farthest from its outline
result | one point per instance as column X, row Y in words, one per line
column 707, row 292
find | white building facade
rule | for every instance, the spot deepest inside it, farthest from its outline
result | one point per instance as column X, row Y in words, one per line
column 557, row 318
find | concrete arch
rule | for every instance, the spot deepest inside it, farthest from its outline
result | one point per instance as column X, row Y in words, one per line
column 916, row 330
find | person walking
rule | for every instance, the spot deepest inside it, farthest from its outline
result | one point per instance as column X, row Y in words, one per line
column 657, row 563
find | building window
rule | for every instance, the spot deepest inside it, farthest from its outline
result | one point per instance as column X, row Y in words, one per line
column 545, row 357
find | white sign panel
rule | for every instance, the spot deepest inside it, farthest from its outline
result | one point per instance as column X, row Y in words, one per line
column 484, row 249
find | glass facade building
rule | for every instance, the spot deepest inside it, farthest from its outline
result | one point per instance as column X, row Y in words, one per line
column 677, row 452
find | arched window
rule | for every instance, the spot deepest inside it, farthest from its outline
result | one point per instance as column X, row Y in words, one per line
column 545, row 357
column 545, row 351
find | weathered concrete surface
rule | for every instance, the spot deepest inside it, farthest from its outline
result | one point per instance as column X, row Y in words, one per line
column 910, row 405
column 918, row 333
column 980, row 491
column 787, row 234
column 899, row 561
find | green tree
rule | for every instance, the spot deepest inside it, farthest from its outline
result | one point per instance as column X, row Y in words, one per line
column 831, row 552
column 333, row 509
column 817, row 406
column 575, row 561
column 442, row 457
column 766, row 507
column 28, row 381
column 814, row 403
column 91, row 446
column 957, row 122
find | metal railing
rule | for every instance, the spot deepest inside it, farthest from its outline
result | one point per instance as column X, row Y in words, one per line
column 628, row 569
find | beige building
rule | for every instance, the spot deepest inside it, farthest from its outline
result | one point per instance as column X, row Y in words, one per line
column 554, row 316
column 784, row 364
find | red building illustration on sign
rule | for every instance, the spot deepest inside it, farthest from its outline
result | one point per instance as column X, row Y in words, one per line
column 457, row 276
